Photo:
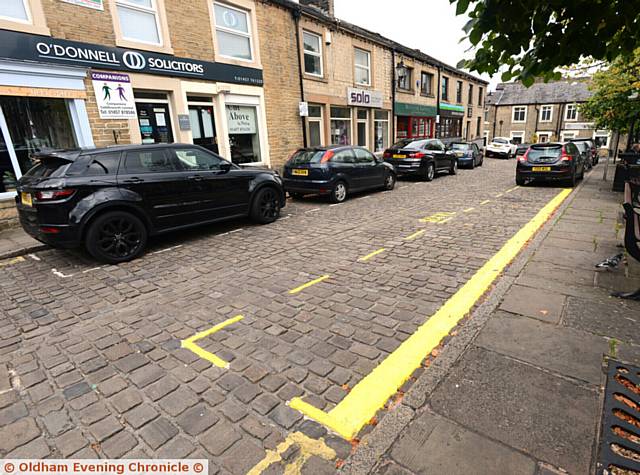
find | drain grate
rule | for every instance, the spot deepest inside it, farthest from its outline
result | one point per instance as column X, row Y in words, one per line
column 620, row 441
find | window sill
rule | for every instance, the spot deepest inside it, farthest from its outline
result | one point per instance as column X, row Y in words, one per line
column 427, row 95
column 144, row 46
column 238, row 62
column 25, row 27
column 311, row 77
column 405, row 91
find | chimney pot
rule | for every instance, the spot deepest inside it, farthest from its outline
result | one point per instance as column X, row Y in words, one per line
column 324, row 5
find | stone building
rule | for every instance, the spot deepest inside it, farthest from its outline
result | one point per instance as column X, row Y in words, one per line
column 544, row 112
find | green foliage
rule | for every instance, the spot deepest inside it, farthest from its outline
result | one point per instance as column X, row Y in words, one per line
column 610, row 106
column 531, row 38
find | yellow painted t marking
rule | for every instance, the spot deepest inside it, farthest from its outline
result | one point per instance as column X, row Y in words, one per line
column 309, row 284
column 373, row 254
column 372, row 392
column 189, row 343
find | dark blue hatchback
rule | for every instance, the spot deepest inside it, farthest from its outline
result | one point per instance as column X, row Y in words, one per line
column 336, row 171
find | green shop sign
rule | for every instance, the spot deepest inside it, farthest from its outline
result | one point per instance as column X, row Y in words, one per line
column 416, row 110
column 451, row 107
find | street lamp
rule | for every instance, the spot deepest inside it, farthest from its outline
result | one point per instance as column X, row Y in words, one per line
column 401, row 72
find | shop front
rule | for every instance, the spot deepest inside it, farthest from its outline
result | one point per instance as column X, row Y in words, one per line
column 450, row 127
column 415, row 121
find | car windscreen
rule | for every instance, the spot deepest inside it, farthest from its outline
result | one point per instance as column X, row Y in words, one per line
column 304, row 157
column 460, row 146
column 414, row 144
column 545, row 152
column 49, row 167
column 502, row 141
column 402, row 143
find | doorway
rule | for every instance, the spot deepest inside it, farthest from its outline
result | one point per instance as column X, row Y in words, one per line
column 203, row 126
column 154, row 118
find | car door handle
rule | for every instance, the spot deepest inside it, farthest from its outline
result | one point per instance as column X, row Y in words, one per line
column 196, row 177
column 134, row 179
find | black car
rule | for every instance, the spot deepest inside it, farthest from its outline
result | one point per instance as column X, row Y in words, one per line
column 585, row 150
column 111, row 199
column 522, row 148
column 468, row 154
column 423, row 158
column 550, row 161
column 336, row 171
column 592, row 146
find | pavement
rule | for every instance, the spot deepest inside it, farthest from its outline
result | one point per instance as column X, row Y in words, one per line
column 197, row 348
column 15, row 242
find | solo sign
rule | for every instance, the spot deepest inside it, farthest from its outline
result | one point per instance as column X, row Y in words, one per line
column 364, row 98
column 114, row 95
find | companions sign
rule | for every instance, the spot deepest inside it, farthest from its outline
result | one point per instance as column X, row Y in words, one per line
column 114, row 95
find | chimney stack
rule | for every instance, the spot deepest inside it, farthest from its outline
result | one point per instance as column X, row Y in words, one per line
column 325, row 5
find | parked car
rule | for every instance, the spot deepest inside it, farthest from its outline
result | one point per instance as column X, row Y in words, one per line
column 592, row 146
column 112, row 199
column 336, row 171
column 522, row 148
column 587, row 155
column 468, row 154
column 424, row 158
column 501, row 147
column 550, row 161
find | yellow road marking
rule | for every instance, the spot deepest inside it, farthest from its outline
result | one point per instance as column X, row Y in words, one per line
column 308, row 448
column 512, row 189
column 499, row 195
column 371, row 393
column 373, row 254
column 309, row 284
column 485, row 202
column 469, row 210
column 415, row 235
column 189, row 343
column 438, row 218
column 15, row 260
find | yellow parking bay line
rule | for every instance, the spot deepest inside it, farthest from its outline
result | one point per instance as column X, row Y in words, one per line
column 485, row 202
column 512, row 189
column 370, row 394
column 190, row 344
column 9, row 262
column 309, row 284
column 373, row 254
column 415, row 235
column 438, row 218
column 469, row 210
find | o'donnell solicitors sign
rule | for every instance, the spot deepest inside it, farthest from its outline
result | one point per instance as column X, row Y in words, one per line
column 364, row 98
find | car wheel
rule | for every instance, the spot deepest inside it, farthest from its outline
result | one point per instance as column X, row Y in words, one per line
column 454, row 168
column 265, row 208
column 473, row 163
column 339, row 192
column 430, row 173
column 519, row 181
column 573, row 181
column 481, row 162
column 115, row 237
column 390, row 181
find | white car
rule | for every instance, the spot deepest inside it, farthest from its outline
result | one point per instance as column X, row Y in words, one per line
column 501, row 147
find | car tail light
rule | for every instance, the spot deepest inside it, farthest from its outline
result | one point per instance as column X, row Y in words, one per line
column 417, row 155
column 565, row 157
column 386, row 155
column 50, row 230
column 327, row 156
column 524, row 158
column 54, row 194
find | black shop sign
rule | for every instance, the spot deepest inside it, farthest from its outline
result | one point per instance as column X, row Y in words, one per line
column 45, row 49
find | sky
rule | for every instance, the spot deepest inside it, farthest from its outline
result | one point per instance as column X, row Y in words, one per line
column 428, row 25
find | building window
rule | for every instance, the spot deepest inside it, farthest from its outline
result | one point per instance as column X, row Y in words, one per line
column 517, row 137
column 381, row 126
column 546, row 114
column 544, row 137
column 15, row 10
column 139, row 21
column 470, row 98
column 363, row 67
column 478, row 125
column 244, row 139
column 315, row 125
column 233, row 32
column 445, row 88
column 480, row 98
column 459, row 92
column 519, row 114
column 486, row 114
column 312, row 53
column 426, row 84
column 341, row 126
column 571, row 112
column 565, row 136
column 404, row 82
column 601, row 139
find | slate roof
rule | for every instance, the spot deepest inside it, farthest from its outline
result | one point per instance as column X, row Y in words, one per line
column 556, row 92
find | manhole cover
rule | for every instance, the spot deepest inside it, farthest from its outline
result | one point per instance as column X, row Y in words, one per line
column 620, row 440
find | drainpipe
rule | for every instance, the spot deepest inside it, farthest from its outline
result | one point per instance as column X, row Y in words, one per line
column 438, row 118
column 393, row 96
column 535, row 131
column 296, row 18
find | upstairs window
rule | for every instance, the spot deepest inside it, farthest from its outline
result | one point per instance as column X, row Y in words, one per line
column 459, row 92
column 546, row 113
column 312, row 53
column 233, row 32
column 404, row 82
column 470, row 98
column 480, row 98
column 139, row 21
column 15, row 10
column 519, row 114
column 571, row 112
column 445, row 88
column 426, row 84
column 363, row 67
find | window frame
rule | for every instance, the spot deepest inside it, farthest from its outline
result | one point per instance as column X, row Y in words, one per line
column 35, row 23
column 513, row 114
column 230, row 31
column 26, row 4
column 316, row 120
column 375, row 125
column 408, row 79
column 430, row 76
column 470, row 94
column 153, row 10
column 574, row 107
column 542, row 108
column 444, row 89
column 357, row 66
column 480, row 96
column 320, row 54
column 459, row 91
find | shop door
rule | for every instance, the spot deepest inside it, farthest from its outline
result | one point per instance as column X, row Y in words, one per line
column 203, row 127
column 155, row 122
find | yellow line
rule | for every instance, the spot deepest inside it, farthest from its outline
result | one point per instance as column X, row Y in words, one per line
column 415, row 235
column 189, row 343
column 499, row 195
column 469, row 210
column 309, row 284
column 15, row 260
column 512, row 189
column 445, row 220
column 485, row 202
column 373, row 254
column 371, row 393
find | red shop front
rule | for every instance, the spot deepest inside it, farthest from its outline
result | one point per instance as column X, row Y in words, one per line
column 416, row 127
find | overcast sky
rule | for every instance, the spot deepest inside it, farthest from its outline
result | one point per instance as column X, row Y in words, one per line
column 428, row 25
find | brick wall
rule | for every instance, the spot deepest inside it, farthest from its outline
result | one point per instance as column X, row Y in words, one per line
column 8, row 214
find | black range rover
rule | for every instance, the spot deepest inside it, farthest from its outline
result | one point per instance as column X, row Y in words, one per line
column 111, row 199
column 422, row 157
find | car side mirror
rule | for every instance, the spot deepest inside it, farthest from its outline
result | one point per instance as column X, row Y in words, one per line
column 225, row 167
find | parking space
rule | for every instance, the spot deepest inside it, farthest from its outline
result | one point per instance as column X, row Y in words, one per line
column 197, row 348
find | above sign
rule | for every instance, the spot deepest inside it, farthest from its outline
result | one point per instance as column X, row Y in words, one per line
column 241, row 119
column 364, row 98
column 304, row 109
column 23, row 46
column 114, row 95
column 95, row 4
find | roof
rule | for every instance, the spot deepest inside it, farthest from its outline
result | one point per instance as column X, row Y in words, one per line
column 555, row 92
column 323, row 17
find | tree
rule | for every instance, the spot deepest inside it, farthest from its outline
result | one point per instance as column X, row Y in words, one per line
column 531, row 38
column 610, row 106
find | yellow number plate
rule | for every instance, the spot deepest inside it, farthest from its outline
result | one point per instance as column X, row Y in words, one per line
column 399, row 156
column 541, row 169
column 300, row 172
column 26, row 199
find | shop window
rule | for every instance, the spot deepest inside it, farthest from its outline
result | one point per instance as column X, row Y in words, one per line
column 155, row 160
column 546, row 114
column 571, row 112
column 381, row 127
column 470, row 98
column 15, row 10
column 244, row 139
column 340, row 126
column 445, row 88
column 363, row 67
column 312, row 53
column 233, row 32
column 519, row 114
column 426, row 84
column 315, row 126
column 362, row 126
column 459, row 92
column 139, row 21
column 402, row 127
